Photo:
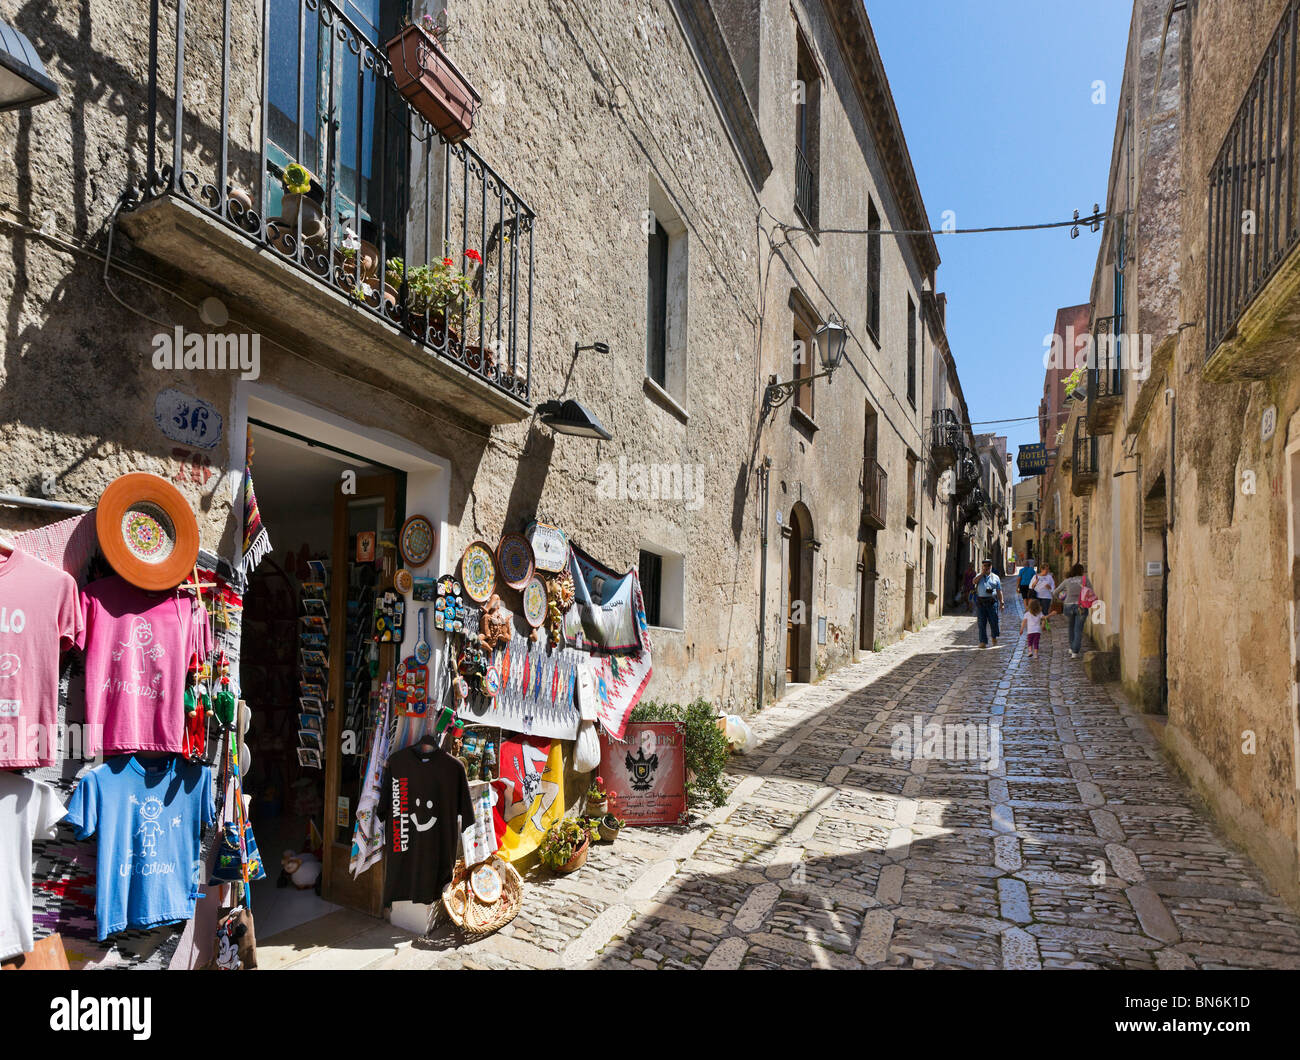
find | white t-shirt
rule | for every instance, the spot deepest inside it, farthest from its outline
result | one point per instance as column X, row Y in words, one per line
column 28, row 811
column 1044, row 586
column 1033, row 622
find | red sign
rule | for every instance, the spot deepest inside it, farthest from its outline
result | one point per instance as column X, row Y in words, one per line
column 645, row 775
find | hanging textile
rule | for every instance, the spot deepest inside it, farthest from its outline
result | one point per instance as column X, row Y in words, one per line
column 537, row 694
column 602, row 618
column 257, row 543
column 368, row 834
column 528, row 797
column 621, row 679
column 67, row 544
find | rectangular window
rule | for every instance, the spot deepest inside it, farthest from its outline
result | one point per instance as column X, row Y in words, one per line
column 911, row 351
column 804, row 356
column 873, row 270
column 663, row 586
column 656, row 358
column 929, row 567
column 650, row 569
column 807, row 99
column 911, row 488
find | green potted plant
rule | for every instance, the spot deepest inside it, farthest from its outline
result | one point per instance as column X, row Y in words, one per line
column 597, row 798
column 610, row 826
column 299, row 204
column 564, row 847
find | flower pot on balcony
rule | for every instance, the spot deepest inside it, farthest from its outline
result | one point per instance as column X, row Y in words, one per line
column 239, row 203
column 432, row 84
column 297, row 207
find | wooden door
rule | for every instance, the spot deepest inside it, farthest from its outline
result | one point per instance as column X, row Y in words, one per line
column 794, row 615
column 372, row 507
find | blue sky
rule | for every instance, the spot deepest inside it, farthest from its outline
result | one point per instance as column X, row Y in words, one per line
column 995, row 97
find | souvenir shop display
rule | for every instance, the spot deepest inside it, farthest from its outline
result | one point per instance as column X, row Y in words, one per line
column 425, row 800
column 559, row 598
column 390, row 616
column 28, row 812
column 484, row 898
column 449, row 606
column 40, row 617
column 198, row 709
column 515, row 560
column 423, row 590
column 416, row 541
column 237, row 859
column 236, row 944
column 403, row 582
column 147, row 531
column 529, row 792
column 550, row 547
column 534, row 601
column 495, row 624
column 603, row 614
column 360, row 658
column 257, row 540
column 138, row 645
column 413, row 673
column 478, row 571
column 535, row 689
column 368, row 831
column 147, row 816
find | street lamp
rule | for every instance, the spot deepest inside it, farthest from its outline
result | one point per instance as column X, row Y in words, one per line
column 572, row 417
column 23, row 83
column 830, row 337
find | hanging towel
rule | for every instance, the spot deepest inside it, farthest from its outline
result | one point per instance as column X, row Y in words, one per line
column 602, row 619
column 257, row 543
column 368, row 834
column 621, row 680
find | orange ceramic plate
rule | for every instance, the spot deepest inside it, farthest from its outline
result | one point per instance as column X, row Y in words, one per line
column 147, row 531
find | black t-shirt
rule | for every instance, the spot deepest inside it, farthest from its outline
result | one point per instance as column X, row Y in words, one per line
column 425, row 800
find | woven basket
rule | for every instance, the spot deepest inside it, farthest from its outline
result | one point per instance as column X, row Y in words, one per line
column 475, row 917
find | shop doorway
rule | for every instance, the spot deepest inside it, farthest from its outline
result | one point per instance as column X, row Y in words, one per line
column 867, row 597
column 1155, row 554
column 306, row 661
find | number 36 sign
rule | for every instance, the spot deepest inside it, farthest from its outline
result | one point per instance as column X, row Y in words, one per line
column 188, row 420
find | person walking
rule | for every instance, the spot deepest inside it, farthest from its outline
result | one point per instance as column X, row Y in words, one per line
column 1044, row 585
column 1075, row 615
column 988, row 602
column 968, row 587
column 1027, row 573
column 1033, row 624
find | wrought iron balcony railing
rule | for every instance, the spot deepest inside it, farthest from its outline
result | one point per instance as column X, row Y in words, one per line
column 875, row 495
column 805, row 187
column 417, row 232
column 1083, row 468
column 1252, row 189
column 945, row 436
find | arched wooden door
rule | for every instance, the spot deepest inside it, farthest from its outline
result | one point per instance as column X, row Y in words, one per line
column 794, row 615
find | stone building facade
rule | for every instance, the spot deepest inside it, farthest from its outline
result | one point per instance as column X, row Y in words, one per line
column 1195, row 425
column 646, row 187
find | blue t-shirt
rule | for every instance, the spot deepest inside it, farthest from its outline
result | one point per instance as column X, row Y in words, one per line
column 987, row 585
column 1027, row 573
column 149, row 817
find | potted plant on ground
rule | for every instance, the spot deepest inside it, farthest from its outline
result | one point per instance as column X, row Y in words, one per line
column 610, row 826
column 597, row 798
column 564, row 847
column 430, row 81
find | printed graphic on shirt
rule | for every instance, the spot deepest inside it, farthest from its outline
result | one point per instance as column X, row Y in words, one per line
column 151, row 825
column 10, row 665
column 401, row 838
column 139, row 646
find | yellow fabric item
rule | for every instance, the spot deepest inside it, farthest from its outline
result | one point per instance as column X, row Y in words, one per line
column 526, row 823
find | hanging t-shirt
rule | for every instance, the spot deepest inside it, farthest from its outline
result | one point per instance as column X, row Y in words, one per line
column 424, row 798
column 149, row 817
column 138, row 645
column 39, row 618
column 28, row 811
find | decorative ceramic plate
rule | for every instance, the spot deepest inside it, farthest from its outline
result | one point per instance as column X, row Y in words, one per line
column 550, row 547
column 534, row 596
column 491, row 683
column 478, row 571
column 486, row 883
column 515, row 556
column 402, row 581
column 416, row 541
column 147, row 531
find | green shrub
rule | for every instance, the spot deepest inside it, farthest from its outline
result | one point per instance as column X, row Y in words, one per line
column 705, row 746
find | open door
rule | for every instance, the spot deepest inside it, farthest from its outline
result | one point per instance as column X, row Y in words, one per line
column 372, row 508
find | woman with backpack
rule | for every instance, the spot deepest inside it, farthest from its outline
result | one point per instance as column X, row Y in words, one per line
column 1078, row 597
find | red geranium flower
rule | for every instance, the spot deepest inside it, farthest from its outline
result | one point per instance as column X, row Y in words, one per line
column 474, row 255
column 448, row 262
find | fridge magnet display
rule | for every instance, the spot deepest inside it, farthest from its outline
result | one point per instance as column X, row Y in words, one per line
column 147, row 531
column 478, row 571
column 416, row 541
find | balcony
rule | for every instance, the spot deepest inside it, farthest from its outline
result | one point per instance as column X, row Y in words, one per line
column 968, row 471
column 1083, row 465
column 875, row 495
column 945, row 436
column 1106, row 375
column 805, row 187
column 1252, row 271
column 397, row 256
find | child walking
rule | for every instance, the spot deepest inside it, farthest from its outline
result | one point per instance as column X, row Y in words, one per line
column 1033, row 623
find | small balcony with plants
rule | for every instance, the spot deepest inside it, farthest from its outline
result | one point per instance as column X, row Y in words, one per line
column 309, row 163
column 1083, row 461
column 945, row 437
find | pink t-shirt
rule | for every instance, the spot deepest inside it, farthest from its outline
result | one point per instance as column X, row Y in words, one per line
column 138, row 646
column 39, row 619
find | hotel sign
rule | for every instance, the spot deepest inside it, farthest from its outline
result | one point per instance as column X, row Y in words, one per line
column 1032, row 459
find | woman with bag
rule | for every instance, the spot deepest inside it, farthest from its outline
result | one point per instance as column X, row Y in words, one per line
column 1078, row 597
column 1043, row 586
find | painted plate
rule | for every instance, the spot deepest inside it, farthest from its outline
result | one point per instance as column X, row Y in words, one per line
column 486, row 882
column 550, row 547
column 402, row 581
column 491, row 683
column 416, row 541
column 478, row 571
column 515, row 557
column 534, row 596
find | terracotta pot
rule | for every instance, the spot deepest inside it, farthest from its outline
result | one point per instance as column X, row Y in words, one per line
column 369, row 260
column 432, row 84
column 577, row 861
column 238, row 201
column 608, row 832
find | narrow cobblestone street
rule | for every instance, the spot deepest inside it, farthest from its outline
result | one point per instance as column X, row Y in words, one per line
column 1081, row 848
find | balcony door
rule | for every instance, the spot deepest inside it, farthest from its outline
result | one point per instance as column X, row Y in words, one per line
column 332, row 109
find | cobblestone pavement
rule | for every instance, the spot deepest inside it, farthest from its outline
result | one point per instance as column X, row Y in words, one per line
column 1080, row 848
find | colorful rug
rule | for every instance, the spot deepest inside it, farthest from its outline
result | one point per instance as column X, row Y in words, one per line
column 538, row 691
column 621, row 680
column 529, row 795
column 257, row 543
